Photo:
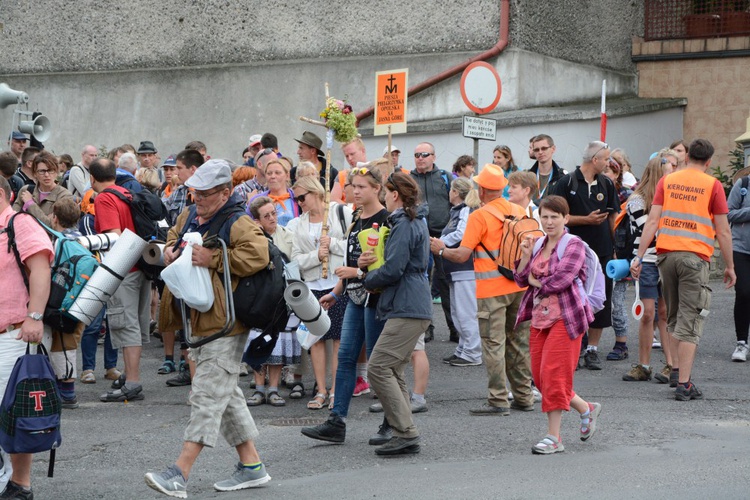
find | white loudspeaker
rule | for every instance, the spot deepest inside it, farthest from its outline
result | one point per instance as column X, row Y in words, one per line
column 40, row 128
column 9, row 96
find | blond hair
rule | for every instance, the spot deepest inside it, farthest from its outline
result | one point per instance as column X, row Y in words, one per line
column 311, row 185
column 525, row 179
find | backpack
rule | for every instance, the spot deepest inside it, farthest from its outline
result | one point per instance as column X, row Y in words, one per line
column 259, row 298
column 573, row 184
column 592, row 288
column 515, row 230
column 147, row 211
column 72, row 268
column 31, row 407
column 624, row 236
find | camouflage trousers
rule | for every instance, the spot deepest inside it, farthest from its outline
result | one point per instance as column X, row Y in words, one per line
column 505, row 349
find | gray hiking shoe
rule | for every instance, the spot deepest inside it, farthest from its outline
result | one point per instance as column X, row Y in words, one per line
column 171, row 482
column 243, row 478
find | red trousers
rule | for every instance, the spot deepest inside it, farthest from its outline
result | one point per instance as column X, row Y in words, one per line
column 554, row 357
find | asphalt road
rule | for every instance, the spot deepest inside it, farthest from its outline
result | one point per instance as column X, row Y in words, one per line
column 647, row 445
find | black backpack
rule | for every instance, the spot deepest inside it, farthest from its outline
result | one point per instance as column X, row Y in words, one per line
column 259, row 298
column 147, row 210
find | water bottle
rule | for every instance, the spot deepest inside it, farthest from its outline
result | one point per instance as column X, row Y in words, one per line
column 374, row 237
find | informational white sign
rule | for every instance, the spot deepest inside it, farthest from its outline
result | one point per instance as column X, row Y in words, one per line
column 480, row 128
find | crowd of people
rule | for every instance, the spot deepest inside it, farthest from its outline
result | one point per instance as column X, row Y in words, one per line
column 531, row 329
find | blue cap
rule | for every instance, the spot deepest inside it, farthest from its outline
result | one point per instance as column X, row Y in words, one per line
column 169, row 162
column 18, row 136
column 653, row 155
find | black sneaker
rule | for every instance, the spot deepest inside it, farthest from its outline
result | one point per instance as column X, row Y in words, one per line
column 332, row 430
column 591, row 360
column 464, row 362
column 384, row 434
column 447, row 360
column 182, row 379
column 399, row 446
column 683, row 393
column 14, row 491
column 429, row 334
column 453, row 336
column 674, row 378
column 517, row 406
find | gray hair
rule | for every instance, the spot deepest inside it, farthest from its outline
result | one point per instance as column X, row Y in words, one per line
column 128, row 162
column 593, row 149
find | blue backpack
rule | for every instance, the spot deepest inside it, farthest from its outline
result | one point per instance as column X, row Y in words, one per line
column 31, row 407
column 592, row 287
column 71, row 270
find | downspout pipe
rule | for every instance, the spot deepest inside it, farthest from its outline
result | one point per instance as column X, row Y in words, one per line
column 501, row 44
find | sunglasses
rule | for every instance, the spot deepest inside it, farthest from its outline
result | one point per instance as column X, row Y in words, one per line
column 541, row 149
column 422, row 155
column 300, row 198
column 606, row 146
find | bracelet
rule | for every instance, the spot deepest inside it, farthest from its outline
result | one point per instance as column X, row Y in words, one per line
column 335, row 297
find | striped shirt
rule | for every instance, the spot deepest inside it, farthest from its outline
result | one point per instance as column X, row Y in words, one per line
column 637, row 216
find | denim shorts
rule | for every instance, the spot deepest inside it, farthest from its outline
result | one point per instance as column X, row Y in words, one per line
column 649, row 281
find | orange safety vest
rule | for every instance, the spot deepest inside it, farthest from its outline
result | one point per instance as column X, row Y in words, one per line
column 490, row 283
column 686, row 223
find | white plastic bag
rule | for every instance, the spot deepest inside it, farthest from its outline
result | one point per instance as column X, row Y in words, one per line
column 188, row 282
column 305, row 338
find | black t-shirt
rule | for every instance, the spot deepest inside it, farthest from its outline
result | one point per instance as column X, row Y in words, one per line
column 354, row 250
column 600, row 195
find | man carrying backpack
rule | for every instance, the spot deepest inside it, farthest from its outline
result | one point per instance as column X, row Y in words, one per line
column 217, row 403
column 128, row 310
column 594, row 206
column 21, row 313
column 505, row 348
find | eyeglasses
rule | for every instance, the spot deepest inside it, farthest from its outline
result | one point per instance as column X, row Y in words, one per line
column 422, row 155
column 265, row 152
column 44, row 172
column 202, row 195
column 270, row 215
column 301, row 198
column 541, row 149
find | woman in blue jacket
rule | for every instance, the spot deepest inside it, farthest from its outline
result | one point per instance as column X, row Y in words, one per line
column 405, row 303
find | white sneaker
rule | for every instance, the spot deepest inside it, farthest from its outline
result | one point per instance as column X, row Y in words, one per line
column 537, row 394
column 740, row 352
column 656, row 343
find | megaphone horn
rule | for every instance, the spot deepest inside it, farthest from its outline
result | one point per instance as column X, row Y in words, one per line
column 9, row 96
column 40, row 128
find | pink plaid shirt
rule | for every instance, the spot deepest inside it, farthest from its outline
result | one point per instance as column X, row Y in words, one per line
column 30, row 239
column 576, row 313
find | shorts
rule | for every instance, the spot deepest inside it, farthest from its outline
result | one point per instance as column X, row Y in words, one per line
column 648, row 282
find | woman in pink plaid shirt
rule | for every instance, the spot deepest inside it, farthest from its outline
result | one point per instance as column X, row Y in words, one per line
column 559, row 316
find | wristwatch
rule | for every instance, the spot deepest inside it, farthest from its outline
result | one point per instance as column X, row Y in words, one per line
column 440, row 253
column 360, row 273
column 35, row 316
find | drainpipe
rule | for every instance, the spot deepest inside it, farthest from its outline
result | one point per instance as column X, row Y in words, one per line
column 488, row 54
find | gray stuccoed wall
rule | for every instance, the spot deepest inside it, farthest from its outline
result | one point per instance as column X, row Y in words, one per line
column 92, row 35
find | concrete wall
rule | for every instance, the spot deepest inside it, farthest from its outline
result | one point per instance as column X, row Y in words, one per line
column 92, row 35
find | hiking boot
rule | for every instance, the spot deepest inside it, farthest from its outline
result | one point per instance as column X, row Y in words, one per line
column 243, row 478
column 464, row 362
column 447, row 360
column 637, row 374
column 332, row 430
column 167, row 367
column 618, row 353
column 683, row 393
column 399, row 446
column 740, row 352
column 662, row 376
column 171, row 482
column 588, row 423
column 547, row 446
column 15, row 491
column 182, row 379
column 488, row 410
column 123, row 394
column 591, row 360
column 515, row 405
column 70, row 404
column 674, row 378
column 361, row 387
column 384, row 434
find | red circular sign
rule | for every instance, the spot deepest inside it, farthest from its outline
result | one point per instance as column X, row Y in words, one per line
column 481, row 87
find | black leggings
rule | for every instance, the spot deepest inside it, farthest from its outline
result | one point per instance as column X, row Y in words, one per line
column 742, row 299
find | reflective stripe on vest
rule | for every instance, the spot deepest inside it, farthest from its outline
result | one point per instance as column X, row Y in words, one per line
column 686, row 224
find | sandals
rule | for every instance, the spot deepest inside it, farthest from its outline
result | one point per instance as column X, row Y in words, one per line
column 330, row 401
column 298, row 391
column 167, row 367
column 547, row 446
column 274, row 399
column 318, row 402
column 257, row 399
column 88, row 377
